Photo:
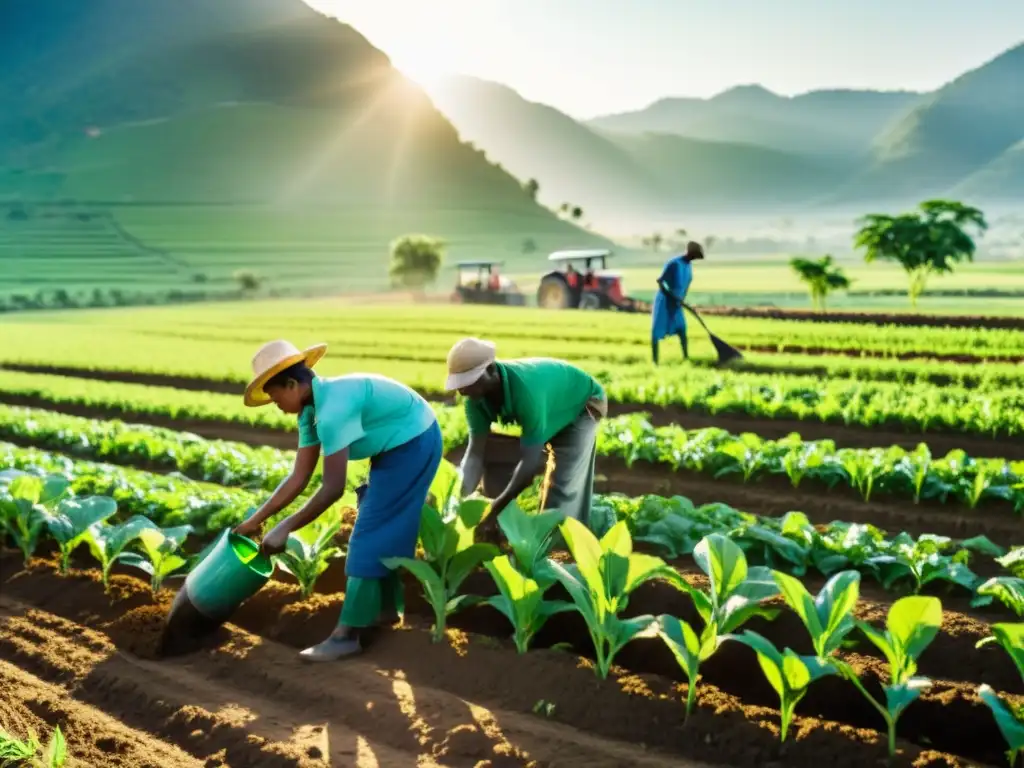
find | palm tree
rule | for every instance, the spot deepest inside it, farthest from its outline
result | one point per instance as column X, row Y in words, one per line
column 821, row 276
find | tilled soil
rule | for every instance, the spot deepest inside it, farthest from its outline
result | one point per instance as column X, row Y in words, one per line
column 248, row 700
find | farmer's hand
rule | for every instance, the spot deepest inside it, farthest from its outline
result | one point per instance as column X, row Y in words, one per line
column 249, row 528
column 274, row 542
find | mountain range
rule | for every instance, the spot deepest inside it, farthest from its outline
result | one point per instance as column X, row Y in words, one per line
column 230, row 102
column 751, row 148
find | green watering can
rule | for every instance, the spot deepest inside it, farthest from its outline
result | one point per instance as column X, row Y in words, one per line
column 230, row 571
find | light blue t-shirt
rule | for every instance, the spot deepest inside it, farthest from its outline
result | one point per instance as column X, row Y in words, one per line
column 366, row 413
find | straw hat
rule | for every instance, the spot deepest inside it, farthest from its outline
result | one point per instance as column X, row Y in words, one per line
column 272, row 358
column 467, row 361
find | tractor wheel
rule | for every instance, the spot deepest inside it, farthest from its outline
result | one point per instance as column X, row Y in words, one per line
column 590, row 301
column 553, row 293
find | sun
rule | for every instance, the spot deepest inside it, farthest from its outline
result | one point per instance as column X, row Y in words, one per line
column 421, row 70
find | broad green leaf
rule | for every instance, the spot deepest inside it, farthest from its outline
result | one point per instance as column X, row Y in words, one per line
column 724, row 563
column 901, row 695
column 914, row 622
column 586, row 551
column 799, row 599
column 1010, row 723
column 1011, row 638
column 529, row 535
column 983, row 545
column 465, row 562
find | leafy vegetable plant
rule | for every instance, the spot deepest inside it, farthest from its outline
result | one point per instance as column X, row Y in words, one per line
column 829, row 616
column 310, row 550
column 530, row 537
column 737, row 591
column 912, row 624
column 521, row 601
column 1009, row 720
column 788, row 673
column 690, row 649
column 23, row 502
column 108, row 542
column 1009, row 590
column 450, row 555
column 606, row 571
column 160, row 556
column 31, row 752
column 70, row 523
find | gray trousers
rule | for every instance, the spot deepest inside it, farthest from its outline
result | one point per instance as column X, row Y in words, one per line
column 571, row 488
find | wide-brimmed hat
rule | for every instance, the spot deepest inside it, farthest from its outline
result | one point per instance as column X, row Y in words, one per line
column 467, row 361
column 272, row 358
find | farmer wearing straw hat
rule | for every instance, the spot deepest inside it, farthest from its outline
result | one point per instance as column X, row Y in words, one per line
column 667, row 318
column 359, row 416
column 554, row 402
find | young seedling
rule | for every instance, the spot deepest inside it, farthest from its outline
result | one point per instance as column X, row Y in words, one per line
column 690, row 650
column 1009, row 719
column 108, row 542
column 310, row 550
column 912, row 624
column 1011, row 638
column 530, row 537
column 521, row 601
column 69, row 524
column 31, row 753
column 600, row 581
column 23, row 502
column 827, row 617
column 450, row 556
column 788, row 673
column 737, row 591
column 160, row 558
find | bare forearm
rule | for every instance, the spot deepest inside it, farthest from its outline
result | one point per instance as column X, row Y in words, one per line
column 522, row 478
column 472, row 471
column 319, row 503
column 283, row 495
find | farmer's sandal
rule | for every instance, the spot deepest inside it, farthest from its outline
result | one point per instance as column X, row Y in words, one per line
column 332, row 649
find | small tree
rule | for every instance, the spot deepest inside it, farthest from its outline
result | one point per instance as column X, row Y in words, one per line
column 926, row 242
column 654, row 242
column 532, row 188
column 529, row 246
column 248, row 280
column 821, row 276
column 415, row 261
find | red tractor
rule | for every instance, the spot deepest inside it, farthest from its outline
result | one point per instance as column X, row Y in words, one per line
column 592, row 288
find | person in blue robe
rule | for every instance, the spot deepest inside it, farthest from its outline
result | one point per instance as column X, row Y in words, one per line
column 667, row 318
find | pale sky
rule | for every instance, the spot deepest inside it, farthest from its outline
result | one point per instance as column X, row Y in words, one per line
column 590, row 57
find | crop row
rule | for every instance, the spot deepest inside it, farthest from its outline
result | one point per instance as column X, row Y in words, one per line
column 672, row 525
column 439, row 325
column 599, row 581
column 870, row 404
column 870, row 472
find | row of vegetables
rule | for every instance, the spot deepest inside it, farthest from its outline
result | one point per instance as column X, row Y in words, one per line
column 604, row 572
column 434, row 328
column 997, row 413
column 868, row 472
column 673, row 526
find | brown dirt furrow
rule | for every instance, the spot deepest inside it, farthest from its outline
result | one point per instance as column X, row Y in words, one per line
column 733, row 724
column 94, row 737
column 845, row 436
column 250, row 702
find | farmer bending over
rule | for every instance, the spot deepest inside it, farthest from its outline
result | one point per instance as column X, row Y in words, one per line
column 552, row 401
column 360, row 416
column 667, row 318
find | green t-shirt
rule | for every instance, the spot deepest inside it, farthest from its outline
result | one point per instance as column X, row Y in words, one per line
column 366, row 413
column 541, row 395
